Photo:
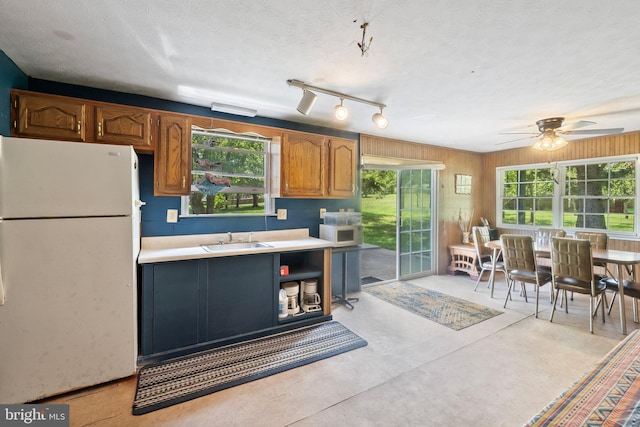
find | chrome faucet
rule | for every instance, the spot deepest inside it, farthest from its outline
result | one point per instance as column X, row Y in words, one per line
column 230, row 236
column 250, row 236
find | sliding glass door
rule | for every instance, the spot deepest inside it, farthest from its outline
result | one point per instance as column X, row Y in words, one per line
column 415, row 222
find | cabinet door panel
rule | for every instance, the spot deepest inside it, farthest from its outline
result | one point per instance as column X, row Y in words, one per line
column 342, row 168
column 240, row 295
column 49, row 117
column 127, row 126
column 303, row 166
column 172, row 160
column 175, row 301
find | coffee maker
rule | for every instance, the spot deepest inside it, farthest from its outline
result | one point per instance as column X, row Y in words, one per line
column 309, row 296
column 293, row 290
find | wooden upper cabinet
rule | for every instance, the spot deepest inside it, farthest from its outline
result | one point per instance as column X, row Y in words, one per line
column 124, row 125
column 303, row 172
column 343, row 164
column 172, row 159
column 49, row 116
column 316, row 166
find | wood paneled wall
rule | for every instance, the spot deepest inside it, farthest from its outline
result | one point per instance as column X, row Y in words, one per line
column 613, row 145
column 450, row 204
column 482, row 167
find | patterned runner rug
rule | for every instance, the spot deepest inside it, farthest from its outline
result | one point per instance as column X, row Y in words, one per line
column 452, row 312
column 177, row 380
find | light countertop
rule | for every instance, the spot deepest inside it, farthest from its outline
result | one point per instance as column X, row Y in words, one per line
column 174, row 248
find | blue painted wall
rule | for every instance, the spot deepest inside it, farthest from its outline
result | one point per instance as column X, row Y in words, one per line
column 11, row 77
column 301, row 213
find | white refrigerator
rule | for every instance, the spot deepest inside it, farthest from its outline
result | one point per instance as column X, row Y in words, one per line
column 69, row 242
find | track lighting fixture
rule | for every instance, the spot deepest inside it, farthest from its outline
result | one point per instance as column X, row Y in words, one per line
column 341, row 111
column 309, row 98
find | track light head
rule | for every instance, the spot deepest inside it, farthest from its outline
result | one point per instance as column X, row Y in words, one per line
column 306, row 103
column 341, row 111
column 379, row 120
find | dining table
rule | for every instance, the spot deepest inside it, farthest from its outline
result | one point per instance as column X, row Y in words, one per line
column 619, row 258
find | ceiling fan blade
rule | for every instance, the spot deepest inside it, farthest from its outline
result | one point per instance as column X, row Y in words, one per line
column 519, row 133
column 519, row 139
column 593, row 131
column 575, row 125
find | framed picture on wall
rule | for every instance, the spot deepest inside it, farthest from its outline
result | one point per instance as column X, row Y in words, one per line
column 463, row 184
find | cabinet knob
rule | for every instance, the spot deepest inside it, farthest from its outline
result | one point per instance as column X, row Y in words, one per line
column 100, row 129
column 79, row 127
column 184, row 181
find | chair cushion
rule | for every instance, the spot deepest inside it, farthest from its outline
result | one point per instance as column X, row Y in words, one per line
column 579, row 286
column 530, row 276
column 489, row 265
column 631, row 288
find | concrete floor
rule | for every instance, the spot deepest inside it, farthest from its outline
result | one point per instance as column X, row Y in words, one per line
column 413, row 372
column 377, row 262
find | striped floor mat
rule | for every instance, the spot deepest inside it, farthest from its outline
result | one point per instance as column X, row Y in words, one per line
column 178, row 380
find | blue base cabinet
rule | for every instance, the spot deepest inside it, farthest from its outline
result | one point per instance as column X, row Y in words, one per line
column 193, row 305
column 239, row 295
column 170, row 305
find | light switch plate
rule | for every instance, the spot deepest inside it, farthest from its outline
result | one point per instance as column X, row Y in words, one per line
column 172, row 215
column 322, row 212
column 282, row 214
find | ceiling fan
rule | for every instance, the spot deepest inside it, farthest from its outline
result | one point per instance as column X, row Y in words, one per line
column 551, row 129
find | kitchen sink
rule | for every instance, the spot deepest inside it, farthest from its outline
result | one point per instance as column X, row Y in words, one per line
column 233, row 246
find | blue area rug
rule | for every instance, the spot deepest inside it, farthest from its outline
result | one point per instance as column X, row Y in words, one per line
column 178, row 380
column 452, row 312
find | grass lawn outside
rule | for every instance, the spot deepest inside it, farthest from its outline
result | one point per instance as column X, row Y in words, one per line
column 614, row 222
column 379, row 219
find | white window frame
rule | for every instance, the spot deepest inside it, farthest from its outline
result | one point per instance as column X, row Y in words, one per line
column 559, row 193
column 269, row 201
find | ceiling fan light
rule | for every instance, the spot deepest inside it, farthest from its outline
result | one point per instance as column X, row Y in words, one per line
column 341, row 111
column 306, row 103
column 550, row 141
column 379, row 120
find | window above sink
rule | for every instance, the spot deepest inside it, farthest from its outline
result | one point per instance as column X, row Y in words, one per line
column 230, row 174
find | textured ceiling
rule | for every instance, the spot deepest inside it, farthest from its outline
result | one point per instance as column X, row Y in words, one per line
column 452, row 73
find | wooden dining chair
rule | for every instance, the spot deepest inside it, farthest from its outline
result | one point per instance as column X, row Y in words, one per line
column 572, row 270
column 520, row 263
column 485, row 257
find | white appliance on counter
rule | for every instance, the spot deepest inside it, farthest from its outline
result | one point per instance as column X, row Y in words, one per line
column 342, row 235
column 69, row 239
